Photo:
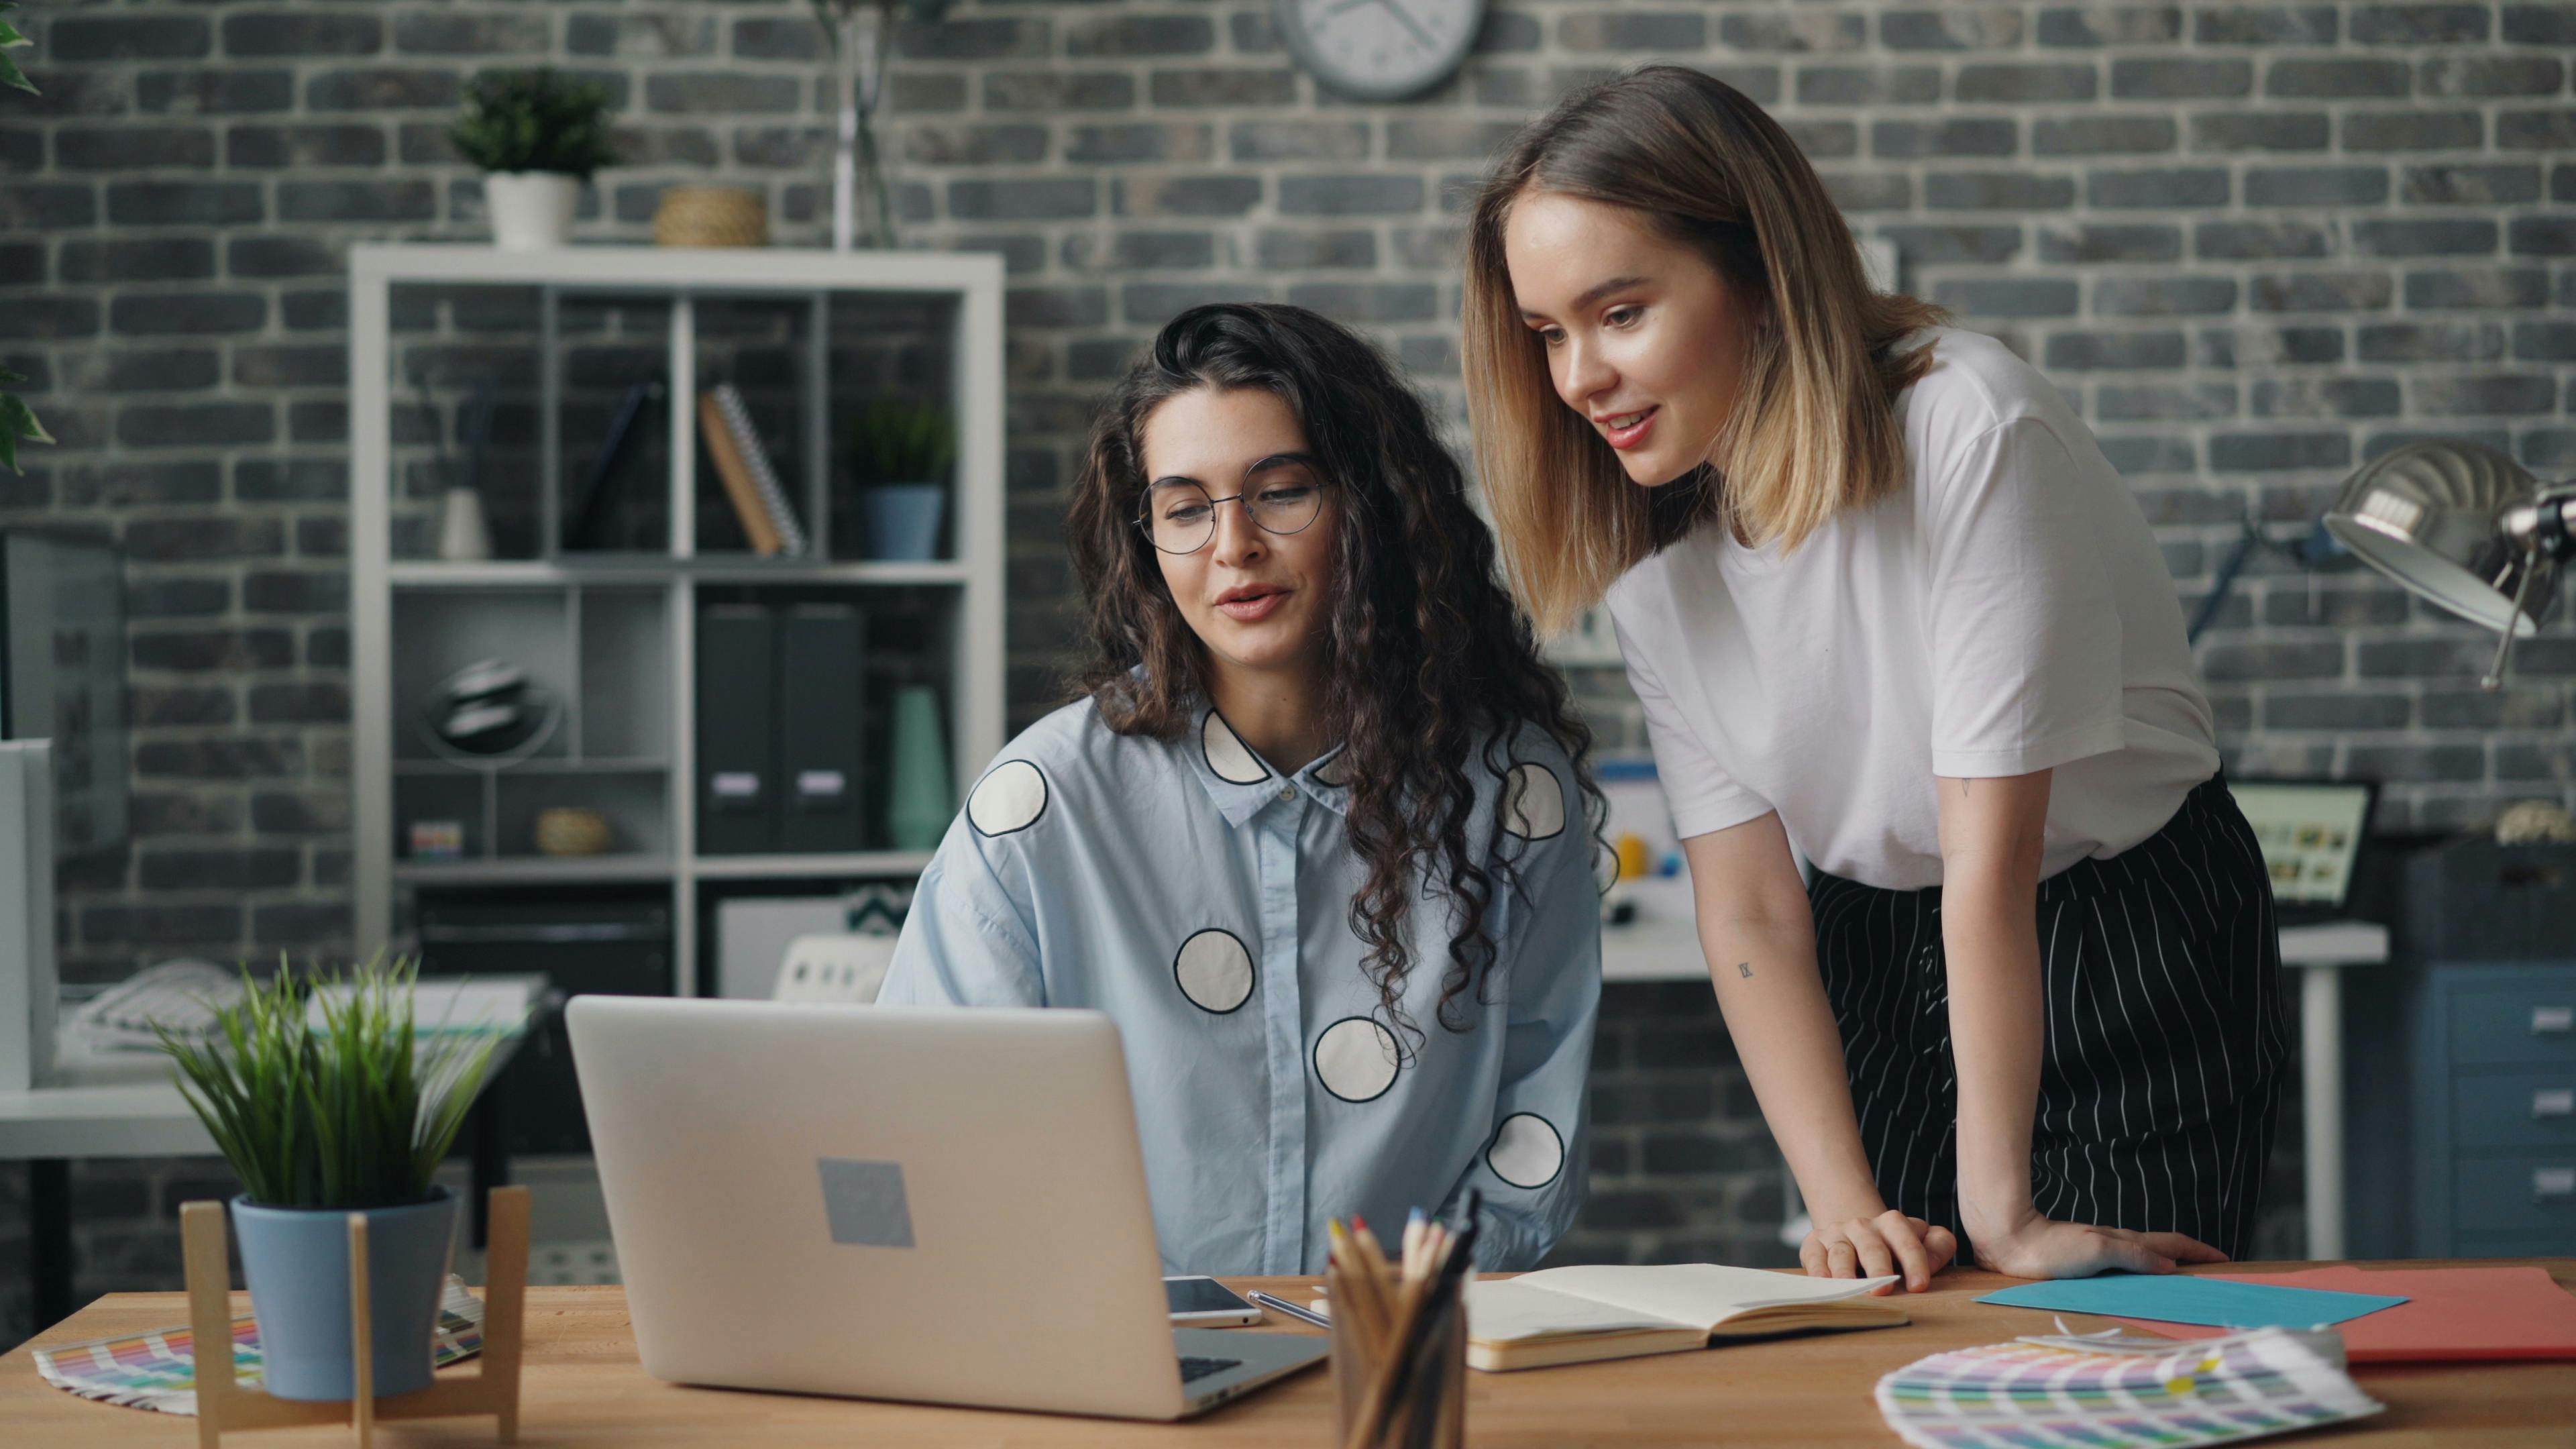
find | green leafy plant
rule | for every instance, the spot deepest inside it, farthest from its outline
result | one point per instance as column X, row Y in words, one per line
column 352, row 1113
column 535, row 120
column 16, row 419
column 10, row 40
column 895, row 441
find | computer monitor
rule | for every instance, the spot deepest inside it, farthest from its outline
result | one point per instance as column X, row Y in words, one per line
column 2310, row 832
column 62, row 677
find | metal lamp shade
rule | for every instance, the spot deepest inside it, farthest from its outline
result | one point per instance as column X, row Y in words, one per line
column 2431, row 516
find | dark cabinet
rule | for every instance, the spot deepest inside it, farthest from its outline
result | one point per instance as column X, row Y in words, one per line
column 612, row 941
column 2463, row 1135
column 2495, row 1111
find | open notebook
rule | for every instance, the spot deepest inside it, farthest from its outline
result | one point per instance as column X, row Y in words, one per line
column 1577, row 1315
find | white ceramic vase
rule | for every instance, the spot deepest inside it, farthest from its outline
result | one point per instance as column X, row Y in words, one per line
column 531, row 210
column 464, row 535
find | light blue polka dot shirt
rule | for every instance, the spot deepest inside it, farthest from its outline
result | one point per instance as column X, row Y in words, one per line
column 1202, row 899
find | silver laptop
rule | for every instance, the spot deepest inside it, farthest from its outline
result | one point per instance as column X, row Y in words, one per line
column 891, row 1203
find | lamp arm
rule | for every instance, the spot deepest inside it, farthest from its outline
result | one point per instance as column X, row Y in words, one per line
column 2222, row 584
column 2546, row 526
column 2493, row 679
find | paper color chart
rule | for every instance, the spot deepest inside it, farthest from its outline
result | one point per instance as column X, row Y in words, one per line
column 2044, row 1393
column 158, row 1370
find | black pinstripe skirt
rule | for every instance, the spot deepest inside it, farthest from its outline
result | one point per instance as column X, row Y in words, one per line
column 2166, row 1038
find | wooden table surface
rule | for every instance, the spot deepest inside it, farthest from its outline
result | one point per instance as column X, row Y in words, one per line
column 584, row 1387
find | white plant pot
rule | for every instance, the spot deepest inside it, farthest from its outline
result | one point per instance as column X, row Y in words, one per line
column 464, row 535
column 531, row 210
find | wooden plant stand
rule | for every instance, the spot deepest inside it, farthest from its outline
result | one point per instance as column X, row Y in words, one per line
column 223, row 1403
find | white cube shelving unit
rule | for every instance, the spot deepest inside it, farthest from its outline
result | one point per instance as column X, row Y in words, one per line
column 612, row 632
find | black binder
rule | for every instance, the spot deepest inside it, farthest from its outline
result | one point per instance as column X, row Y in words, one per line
column 820, row 647
column 737, row 730
column 587, row 525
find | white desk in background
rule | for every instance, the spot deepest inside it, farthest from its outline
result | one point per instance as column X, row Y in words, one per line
column 2322, row 952
column 1665, row 947
column 126, row 1104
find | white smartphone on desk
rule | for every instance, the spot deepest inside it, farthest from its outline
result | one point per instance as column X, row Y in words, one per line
column 1207, row 1303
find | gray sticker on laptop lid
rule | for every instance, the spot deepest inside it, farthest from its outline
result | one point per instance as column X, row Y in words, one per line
column 864, row 1202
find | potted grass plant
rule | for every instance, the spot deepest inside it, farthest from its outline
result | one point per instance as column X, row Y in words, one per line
column 538, row 135
column 326, row 1102
column 898, row 453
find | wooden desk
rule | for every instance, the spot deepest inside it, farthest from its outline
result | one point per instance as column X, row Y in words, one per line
column 584, row 1387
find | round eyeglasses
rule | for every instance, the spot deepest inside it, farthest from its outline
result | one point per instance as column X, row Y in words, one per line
column 1280, row 495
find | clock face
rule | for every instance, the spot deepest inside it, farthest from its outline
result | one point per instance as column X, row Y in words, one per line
column 1380, row 50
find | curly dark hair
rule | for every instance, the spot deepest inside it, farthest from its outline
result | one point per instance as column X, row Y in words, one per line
column 1431, row 666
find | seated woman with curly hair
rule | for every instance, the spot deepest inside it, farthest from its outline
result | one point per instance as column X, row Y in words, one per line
column 1318, row 834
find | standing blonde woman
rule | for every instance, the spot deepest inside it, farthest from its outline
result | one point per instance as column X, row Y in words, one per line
column 1887, row 608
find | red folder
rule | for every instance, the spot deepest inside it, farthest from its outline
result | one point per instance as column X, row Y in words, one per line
column 2450, row 1313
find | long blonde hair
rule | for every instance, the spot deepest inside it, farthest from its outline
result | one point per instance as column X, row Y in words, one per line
column 1812, row 432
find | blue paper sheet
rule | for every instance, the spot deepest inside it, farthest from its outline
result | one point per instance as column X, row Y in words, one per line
column 2176, row 1298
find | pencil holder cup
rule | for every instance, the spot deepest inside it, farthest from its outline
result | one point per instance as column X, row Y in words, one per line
column 1425, row 1405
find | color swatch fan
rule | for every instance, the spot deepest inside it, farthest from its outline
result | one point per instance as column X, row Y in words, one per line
column 2113, row 1392
column 158, row 1370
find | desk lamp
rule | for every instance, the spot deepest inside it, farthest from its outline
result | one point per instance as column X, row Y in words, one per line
column 2465, row 527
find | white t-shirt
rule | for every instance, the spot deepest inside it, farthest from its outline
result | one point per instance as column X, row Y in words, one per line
column 2006, row 611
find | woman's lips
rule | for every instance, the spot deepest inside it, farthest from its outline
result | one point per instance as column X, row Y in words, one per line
column 1634, row 434
column 1255, row 608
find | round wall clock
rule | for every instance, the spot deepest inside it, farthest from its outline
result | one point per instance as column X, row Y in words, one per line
column 1380, row 50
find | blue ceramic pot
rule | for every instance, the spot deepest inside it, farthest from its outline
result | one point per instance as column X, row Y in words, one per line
column 297, row 1263
column 902, row 519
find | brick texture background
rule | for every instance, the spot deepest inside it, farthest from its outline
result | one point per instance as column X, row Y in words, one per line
column 2257, row 244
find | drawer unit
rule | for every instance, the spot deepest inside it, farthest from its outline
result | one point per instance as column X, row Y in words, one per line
column 2532, row 1195
column 2495, row 1110
column 2530, row 1022
column 2528, row 1110
column 2509, row 1246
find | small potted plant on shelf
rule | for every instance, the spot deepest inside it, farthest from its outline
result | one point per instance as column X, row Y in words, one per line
column 538, row 135
column 325, row 1102
column 898, row 453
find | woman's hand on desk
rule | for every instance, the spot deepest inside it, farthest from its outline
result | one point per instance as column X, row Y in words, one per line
column 2036, row 1247
column 1875, row 1247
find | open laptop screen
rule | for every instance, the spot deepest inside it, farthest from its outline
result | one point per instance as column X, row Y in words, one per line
column 2310, row 832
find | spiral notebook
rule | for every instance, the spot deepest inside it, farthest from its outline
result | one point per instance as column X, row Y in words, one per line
column 750, row 479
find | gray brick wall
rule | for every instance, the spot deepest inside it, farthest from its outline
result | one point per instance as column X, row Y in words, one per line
column 2256, row 244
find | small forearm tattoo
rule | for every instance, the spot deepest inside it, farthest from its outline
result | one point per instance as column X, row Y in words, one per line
column 1744, row 969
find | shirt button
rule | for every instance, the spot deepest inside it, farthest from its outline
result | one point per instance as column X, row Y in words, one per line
column 1287, row 793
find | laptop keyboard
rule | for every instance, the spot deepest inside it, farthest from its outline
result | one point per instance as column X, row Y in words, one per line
column 1195, row 1369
